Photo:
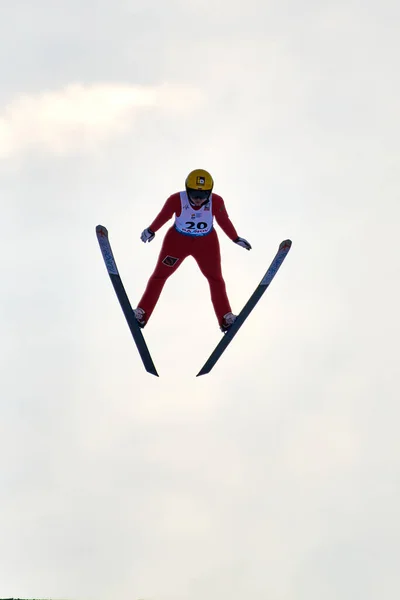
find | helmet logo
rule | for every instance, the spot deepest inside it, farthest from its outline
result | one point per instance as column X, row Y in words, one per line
column 200, row 180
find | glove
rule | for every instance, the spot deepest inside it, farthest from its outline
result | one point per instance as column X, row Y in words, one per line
column 242, row 242
column 147, row 235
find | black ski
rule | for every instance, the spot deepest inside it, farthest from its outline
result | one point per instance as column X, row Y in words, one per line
column 105, row 247
column 280, row 256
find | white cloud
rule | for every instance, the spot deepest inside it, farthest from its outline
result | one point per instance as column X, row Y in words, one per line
column 79, row 117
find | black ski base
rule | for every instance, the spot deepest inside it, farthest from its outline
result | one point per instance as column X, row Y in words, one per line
column 280, row 256
column 105, row 247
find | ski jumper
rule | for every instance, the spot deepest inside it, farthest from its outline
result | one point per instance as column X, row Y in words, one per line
column 192, row 234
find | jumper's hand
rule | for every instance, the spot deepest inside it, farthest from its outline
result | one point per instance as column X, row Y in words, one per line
column 147, row 235
column 243, row 243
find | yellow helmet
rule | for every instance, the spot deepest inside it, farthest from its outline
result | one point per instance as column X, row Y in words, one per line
column 199, row 184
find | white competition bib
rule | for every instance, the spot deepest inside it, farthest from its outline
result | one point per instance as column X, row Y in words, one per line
column 194, row 222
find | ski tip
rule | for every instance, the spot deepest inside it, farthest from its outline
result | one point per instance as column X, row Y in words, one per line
column 101, row 231
column 285, row 245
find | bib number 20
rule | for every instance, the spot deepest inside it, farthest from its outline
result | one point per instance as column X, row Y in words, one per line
column 193, row 225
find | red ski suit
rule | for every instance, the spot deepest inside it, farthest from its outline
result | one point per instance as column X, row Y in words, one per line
column 177, row 246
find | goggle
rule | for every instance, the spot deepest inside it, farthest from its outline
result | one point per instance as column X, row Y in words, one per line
column 198, row 194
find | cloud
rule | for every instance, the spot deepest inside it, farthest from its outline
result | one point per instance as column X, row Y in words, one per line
column 79, row 117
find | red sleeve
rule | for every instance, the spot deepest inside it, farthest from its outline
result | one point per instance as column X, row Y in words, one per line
column 222, row 217
column 172, row 205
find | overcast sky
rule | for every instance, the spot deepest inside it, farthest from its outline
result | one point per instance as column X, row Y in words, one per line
column 277, row 476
